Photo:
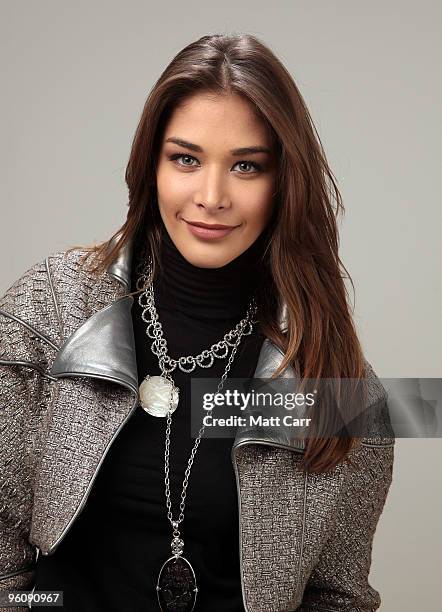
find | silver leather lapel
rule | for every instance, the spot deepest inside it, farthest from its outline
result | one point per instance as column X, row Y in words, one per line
column 104, row 347
column 121, row 268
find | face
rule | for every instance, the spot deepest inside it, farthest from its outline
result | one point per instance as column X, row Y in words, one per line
column 203, row 176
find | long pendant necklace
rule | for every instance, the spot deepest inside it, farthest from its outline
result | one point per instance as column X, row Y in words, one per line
column 176, row 585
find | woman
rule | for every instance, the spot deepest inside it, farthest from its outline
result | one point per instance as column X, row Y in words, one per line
column 99, row 470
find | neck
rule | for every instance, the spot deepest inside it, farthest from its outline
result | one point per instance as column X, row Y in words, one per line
column 207, row 293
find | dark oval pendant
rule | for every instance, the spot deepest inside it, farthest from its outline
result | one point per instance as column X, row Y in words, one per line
column 176, row 587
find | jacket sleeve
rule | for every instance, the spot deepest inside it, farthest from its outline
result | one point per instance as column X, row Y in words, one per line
column 339, row 582
column 26, row 318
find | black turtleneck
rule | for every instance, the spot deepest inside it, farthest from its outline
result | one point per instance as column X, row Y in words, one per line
column 111, row 557
column 208, row 293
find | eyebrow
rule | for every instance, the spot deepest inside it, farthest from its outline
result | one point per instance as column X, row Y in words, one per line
column 241, row 151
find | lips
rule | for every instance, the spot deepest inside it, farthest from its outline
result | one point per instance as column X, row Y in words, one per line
column 209, row 232
column 214, row 226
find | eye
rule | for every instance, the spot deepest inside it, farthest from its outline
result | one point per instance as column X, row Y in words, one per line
column 177, row 156
column 257, row 167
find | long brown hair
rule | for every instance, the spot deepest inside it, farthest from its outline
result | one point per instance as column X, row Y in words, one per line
column 303, row 272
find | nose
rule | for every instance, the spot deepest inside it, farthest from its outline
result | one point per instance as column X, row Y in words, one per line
column 212, row 194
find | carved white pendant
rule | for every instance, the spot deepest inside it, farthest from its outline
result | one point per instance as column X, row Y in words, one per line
column 155, row 395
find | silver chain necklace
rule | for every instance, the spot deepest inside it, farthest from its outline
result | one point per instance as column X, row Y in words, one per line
column 176, row 586
column 155, row 389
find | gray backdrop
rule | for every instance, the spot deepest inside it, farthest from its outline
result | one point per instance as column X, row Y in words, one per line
column 75, row 76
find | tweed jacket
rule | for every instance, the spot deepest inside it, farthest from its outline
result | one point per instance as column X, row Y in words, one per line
column 68, row 384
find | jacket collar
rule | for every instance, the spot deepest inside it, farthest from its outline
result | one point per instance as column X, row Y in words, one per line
column 104, row 347
column 121, row 267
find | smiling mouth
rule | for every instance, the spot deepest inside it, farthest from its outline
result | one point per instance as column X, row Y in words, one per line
column 214, row 226
column 209, row 232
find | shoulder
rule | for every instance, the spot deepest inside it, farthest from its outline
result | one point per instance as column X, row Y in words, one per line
column 78, row 289
column 35, row 286
column 71, row 264
column 29, row 321
column 375, row 390
column 62, row 281
column 75, row 281
column 378, row 423
column 57, row 264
